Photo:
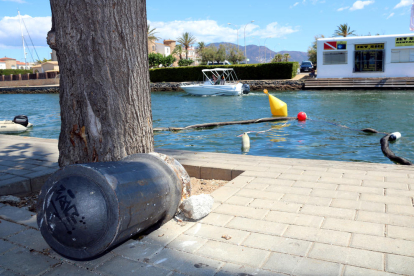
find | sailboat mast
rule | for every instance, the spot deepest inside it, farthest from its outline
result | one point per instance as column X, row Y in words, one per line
column 24, row 48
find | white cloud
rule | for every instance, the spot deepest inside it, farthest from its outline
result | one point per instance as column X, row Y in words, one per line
column 391, row 15
column 359, row 5
column 10, row 34
column 344, row 8
column 294, row 5
column 403, row 3
column 210, row 31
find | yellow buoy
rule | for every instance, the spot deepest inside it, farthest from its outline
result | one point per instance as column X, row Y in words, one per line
column 277, row 107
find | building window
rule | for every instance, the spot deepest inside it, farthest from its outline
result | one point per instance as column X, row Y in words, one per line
column 331, row 58
column 402, row 55
column 369, row 61
column 153, row 48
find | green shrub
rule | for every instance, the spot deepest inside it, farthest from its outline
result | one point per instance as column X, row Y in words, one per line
column 7, row 72
column 185, row 62
column 266, row 71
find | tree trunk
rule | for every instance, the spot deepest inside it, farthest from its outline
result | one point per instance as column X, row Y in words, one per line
column 105, row 99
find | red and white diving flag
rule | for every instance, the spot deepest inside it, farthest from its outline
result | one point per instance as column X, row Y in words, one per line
column 412, row 18
column 331, row 45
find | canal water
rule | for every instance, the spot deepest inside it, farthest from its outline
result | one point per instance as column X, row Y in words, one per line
column 385, row 111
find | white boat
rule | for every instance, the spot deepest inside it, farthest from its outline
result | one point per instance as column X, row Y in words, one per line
column 19, row 124
column 219, row 82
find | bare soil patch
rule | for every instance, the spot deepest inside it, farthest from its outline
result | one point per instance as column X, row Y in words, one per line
column 205, row 186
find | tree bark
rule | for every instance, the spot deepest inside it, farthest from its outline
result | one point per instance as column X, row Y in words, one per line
column 105, row 99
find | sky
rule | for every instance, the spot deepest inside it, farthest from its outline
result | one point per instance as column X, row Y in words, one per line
column 288, row 25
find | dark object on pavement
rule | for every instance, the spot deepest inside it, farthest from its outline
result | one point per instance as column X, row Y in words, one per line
column 86, row 209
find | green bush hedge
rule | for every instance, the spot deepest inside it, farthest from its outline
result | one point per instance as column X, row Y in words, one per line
column 7, row 72
column 266, row 71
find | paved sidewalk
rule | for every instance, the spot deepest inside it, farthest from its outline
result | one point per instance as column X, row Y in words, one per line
column 284, row 217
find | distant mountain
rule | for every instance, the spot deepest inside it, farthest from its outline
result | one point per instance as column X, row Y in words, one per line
column 256, row 54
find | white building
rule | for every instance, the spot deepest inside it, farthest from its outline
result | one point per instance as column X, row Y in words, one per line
column 2, row 65
column 366, row 56
column 162, row 49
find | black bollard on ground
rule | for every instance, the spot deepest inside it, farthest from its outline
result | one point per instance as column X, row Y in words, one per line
column 86, row 209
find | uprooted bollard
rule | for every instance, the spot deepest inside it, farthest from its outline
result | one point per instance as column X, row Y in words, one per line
column 86, row 209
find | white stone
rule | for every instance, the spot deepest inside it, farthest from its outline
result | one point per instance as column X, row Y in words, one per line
column 197, row 207
column 9, row 199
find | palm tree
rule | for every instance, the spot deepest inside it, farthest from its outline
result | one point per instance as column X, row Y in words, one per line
column 200, row 48
column 344, row 30
column 277, row 58
column 186, row 40
column 151, row 34
column 286, row 57
column 178, row 51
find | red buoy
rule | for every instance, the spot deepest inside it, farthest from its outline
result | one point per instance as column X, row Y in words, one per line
column 302, row 116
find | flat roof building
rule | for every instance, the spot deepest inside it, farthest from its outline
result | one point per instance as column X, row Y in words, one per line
column 381, row 56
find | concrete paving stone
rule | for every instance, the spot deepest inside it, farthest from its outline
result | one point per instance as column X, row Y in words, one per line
column 317, row 235
column 277, row 244
column 387, row 199
column 335, row 194
column 400, row 209
column 346, row 255
column 238, row 200
column 316, row 185
column 5, row 176
column 221, row 165
column 233, row 253
column 215, row 173
column 363, row 177
column 186, row 263
column 359, row 271
column 215, row 205
column 323, row 174
column 240, row 211
column 275, row 166
column 5, row 272
column 240, row 182
column 91, row 264
column 257, row 186
column 388, row 173
column 288, row 190
column 399, row 180
column 358, row 205
column 5, row 246
column 310, row 200
column 224, row 193
column 343, row 181
column 403, row 233
column 324, row 211
column 392, row 192
column 216, row 233
column 22, row 261
column 42, row 163
column 259, row 194
column 38, row 178
column 19, row 215
column 293, row 171
column 137, row 250
column 353, row 226
column 252, row 168
column 187, row 243
column 216, row 219
column 257, row 226
column 399, row 264
column 30, row 238
column 26, row 166
column 382, row 244
column 391, row 219
column 360, row 189
column 310, row 168
column 343, row 170
column 271, row 181
column 262, row 174
column 167, row 233
column 15, row 185
column 296, row 177
column 300, row 266
column 275, row 205
column 390, row 185
column 296, row 219
column 9, row 228
column 242, row 270
column 130, row 268
column 19, row 172
column 68, row 270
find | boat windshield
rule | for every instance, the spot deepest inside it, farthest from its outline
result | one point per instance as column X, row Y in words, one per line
column 220, row 76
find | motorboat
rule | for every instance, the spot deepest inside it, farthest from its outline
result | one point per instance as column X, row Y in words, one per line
column 217, row 82
column 19, row 124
